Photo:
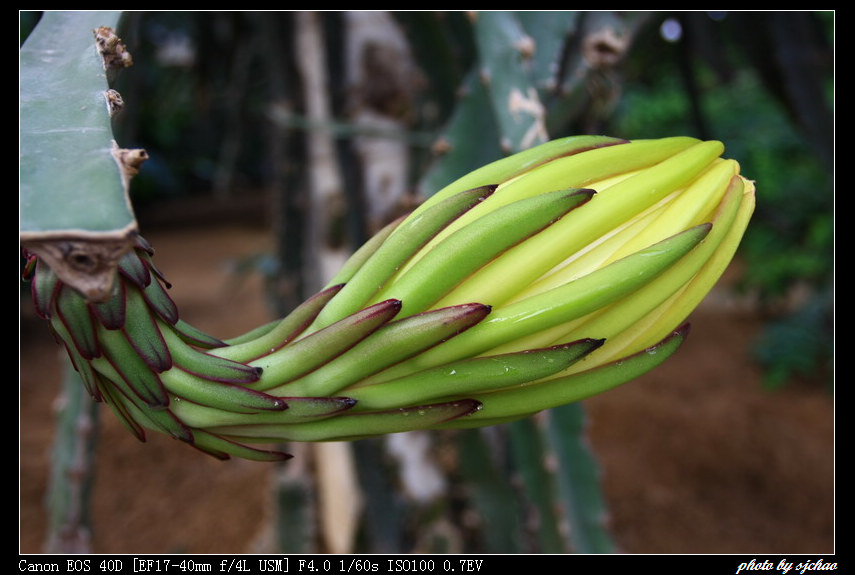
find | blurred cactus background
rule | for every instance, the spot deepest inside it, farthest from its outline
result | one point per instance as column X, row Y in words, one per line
column 321, row 127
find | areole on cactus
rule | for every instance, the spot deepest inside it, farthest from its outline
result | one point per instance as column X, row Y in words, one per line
column 535, row 281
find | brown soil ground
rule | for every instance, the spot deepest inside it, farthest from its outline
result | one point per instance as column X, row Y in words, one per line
column 696, row 457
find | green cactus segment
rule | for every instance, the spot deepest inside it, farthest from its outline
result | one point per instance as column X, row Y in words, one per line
column 494, row 494
column 503, row 48
column 579, row 481
column 548, row 31
column 533, row 456
column 458, row 152
column 70, row 183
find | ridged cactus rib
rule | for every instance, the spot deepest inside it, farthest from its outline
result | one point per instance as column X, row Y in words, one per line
column 537, row 281
column 75, row 208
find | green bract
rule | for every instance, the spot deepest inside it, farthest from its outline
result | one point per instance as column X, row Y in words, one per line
column 538, row 280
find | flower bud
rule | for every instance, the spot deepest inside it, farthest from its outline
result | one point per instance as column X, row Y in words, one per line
column 538, row 280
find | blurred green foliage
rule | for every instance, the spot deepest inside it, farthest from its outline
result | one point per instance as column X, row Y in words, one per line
column 722, row 89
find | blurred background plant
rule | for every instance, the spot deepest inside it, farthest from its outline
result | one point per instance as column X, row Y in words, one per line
column 345, row 119
column 762, row 83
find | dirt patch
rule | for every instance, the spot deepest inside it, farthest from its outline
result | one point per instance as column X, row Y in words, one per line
column 696, row 457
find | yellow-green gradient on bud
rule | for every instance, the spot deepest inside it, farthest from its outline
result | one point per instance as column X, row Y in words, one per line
column 629, row 265
column 538, row 280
